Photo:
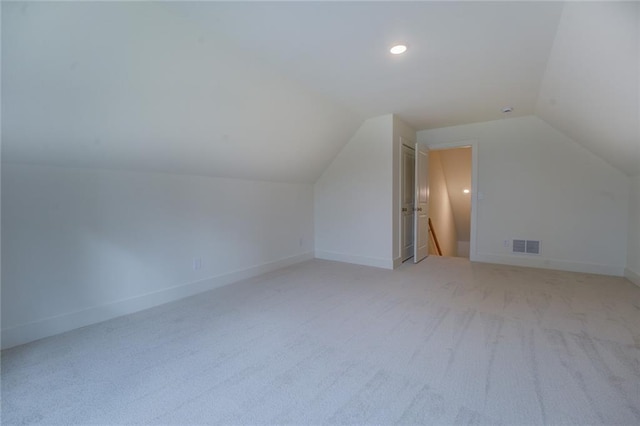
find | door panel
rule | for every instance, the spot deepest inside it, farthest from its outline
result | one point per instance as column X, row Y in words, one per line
column 421, row 217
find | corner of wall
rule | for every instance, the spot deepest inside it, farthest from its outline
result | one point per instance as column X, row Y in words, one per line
column 360, row 175
column 632, row 276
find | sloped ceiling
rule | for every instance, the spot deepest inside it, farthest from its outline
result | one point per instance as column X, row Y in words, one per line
column 134, row 86
column 466, row 60
column 591, row 89
column 273, row 91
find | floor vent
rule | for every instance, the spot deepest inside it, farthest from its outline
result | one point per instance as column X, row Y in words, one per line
column 526, row 246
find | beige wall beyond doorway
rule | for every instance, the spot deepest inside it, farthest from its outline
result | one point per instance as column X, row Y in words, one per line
column 450, row 209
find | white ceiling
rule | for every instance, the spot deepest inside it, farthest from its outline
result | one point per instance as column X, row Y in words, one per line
column 274, row 90
column 465, row 60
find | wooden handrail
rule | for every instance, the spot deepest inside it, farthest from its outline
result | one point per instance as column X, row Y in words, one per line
column 435, row 239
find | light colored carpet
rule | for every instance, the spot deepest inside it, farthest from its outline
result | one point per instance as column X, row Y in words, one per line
column 441, row 342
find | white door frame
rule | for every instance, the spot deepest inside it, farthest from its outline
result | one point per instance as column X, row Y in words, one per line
column 475, row 195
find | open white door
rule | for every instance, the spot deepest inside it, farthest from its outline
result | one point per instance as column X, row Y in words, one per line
column 408, row 194
column 421, row 217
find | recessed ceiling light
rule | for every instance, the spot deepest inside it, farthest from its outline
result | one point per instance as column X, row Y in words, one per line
column 398, row 49
column 507, row 110
column 466, row 191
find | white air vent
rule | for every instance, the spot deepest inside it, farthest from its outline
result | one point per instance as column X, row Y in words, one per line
column 526, row 246
column 519, row 246
column 533, row 247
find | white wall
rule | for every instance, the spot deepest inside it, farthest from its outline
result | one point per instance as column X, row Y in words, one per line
column 81, row 246
column 440, row 210
column 401, row 131
column 536, row 183
column 353, row 199
column 632, row 271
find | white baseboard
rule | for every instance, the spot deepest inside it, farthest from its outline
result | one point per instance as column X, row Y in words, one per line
column 632, row 276
column 358, row 260
column 397, row 262
column 561, row 265
column 46, row 327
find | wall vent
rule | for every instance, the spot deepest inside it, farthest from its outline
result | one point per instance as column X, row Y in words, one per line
column 519, row 246
column 526, row 246
column 533, row 247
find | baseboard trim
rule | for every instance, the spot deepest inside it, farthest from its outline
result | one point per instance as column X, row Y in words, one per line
column 632, row 276
column 358, row 260
column 542, row 263
column 397, row 262
column 25, row 333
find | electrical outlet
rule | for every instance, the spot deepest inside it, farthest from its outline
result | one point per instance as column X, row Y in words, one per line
column 506, row 244
column 301, row 241
column 197, row 263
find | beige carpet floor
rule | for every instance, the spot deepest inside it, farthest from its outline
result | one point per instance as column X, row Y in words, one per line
column 442, row 342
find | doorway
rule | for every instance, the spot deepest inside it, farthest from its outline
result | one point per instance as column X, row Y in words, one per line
column 450, row 198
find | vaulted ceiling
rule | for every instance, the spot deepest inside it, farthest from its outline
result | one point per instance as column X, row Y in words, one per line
column 274, row 90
